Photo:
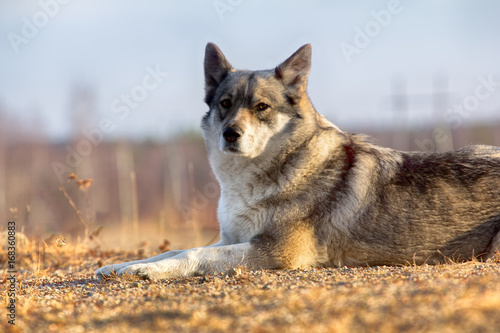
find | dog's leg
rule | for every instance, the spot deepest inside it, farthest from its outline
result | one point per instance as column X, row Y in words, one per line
column 291, row 249
column 112, row 270
column 291, row 246
column 197, row 261
column 277, row 249
column 495, row 246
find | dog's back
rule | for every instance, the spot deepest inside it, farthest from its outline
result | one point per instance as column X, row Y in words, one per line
column 428, row 207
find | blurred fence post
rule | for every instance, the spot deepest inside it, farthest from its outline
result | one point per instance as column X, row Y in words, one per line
column 125, row 167
column 194, row 209
column 135, row 203
column 401, row 132
column 440, row 103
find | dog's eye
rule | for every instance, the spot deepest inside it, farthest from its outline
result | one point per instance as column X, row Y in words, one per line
column 225, row 103
column 262, row 106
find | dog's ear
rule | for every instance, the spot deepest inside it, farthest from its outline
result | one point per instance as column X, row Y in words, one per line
column 216, row 69
column 293, row 72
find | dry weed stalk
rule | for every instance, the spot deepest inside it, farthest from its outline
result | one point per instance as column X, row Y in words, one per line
column 83, row 185
column 13, row 210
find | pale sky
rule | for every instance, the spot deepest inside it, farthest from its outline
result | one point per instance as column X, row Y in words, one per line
column 112, row 47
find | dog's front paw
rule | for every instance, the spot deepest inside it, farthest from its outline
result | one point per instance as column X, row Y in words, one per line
column 162, row 269
column 143, row 271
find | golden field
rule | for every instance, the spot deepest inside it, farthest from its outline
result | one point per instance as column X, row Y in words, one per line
column 58, row 292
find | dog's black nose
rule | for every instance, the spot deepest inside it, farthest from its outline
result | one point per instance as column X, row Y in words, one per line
column 231, row 134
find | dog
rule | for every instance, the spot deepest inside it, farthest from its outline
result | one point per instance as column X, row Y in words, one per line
column 298, row 192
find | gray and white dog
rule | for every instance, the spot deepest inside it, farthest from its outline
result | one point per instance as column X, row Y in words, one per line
column 296, row 191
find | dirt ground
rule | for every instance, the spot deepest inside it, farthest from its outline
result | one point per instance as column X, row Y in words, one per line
column 57, row 291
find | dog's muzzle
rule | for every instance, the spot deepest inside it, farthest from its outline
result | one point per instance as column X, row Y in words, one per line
column 232, row 139
column 232, row 134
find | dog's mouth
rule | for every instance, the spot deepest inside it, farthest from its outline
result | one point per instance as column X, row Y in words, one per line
column 235, row 147
column 230, row 149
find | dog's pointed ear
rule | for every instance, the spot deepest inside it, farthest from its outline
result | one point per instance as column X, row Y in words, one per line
column 293, row 72
column 216, row 69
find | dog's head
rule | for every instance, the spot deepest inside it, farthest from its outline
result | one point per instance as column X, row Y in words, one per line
column 250, row 112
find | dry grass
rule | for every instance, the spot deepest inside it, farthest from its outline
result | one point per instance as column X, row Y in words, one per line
column 59, row 293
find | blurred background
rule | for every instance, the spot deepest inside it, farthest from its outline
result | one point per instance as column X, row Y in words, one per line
column 113, row 91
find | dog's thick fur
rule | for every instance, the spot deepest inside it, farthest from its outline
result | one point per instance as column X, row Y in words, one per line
column 298, row 192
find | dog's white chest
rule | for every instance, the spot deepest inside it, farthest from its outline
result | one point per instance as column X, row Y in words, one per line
column 240, row 218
